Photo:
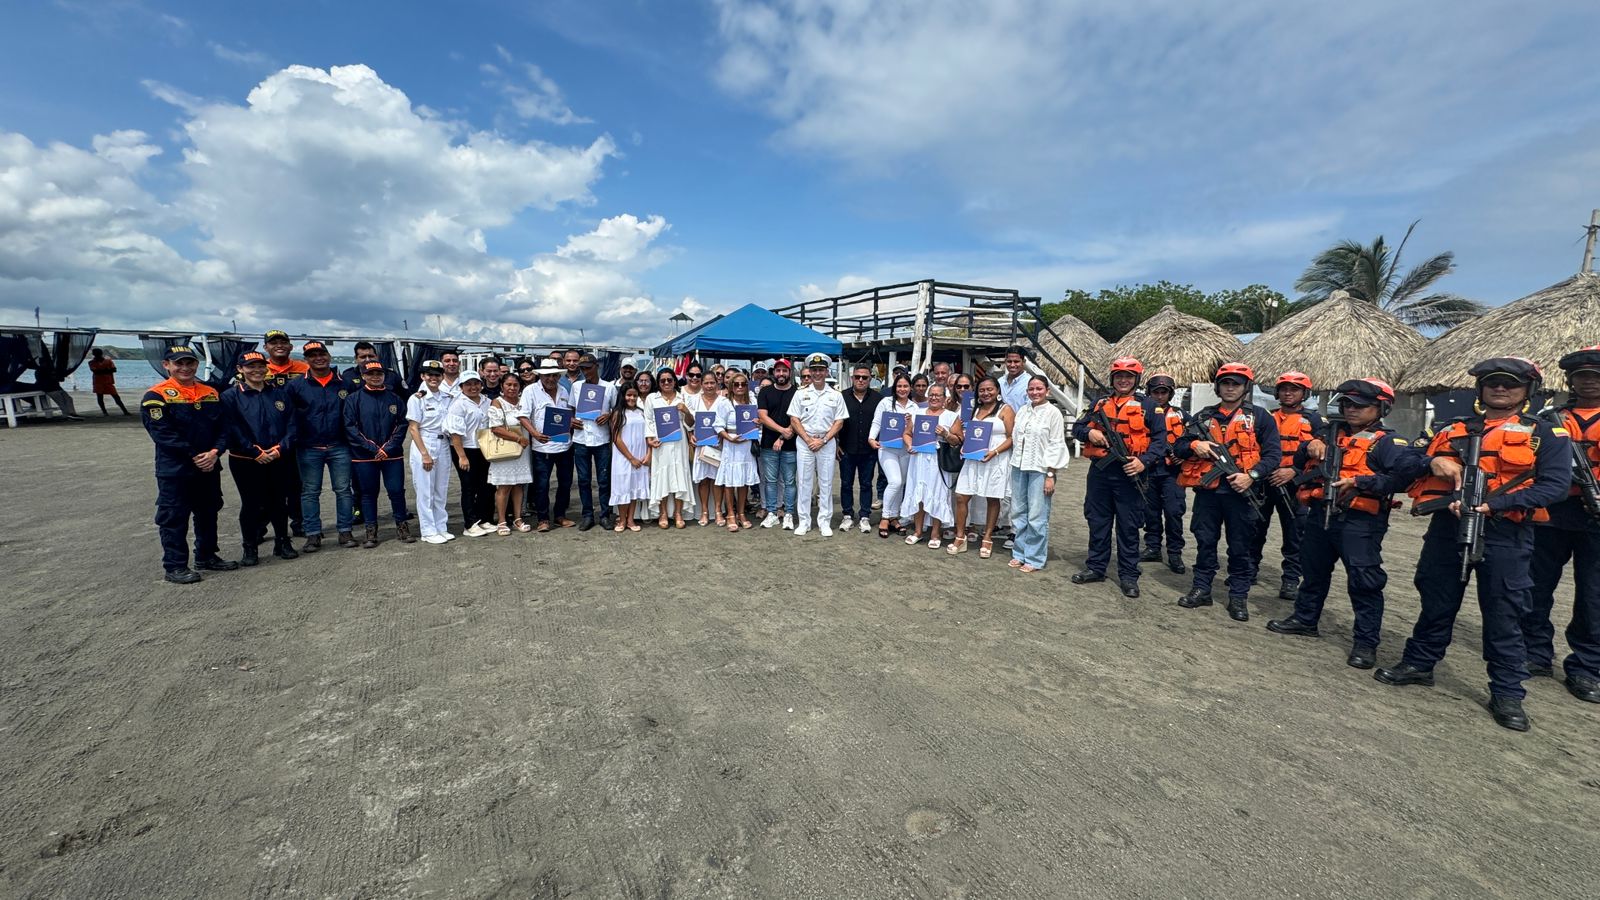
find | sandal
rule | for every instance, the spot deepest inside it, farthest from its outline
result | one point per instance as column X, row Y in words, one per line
column 663, row 522
column 565, row 523
column 732, row 525
column 544, row 528
column 745, row 524
column 522, row 526
column 634, row 527
column 934, row 544
column 1015, row 563
column 986, row 549
column 703, row 522
column 679, row 523
column 883, row 528
column 959, row 545
column 503, row 530
column 912, row 539
column 619, row 527
column 1026, row 569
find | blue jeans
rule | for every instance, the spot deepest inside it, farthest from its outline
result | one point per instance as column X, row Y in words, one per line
column 311, row 460
column 857, row 467
column 1030, row 518
column 778, row 467
column 593, row 461
column 392, row 473
column 543, row 465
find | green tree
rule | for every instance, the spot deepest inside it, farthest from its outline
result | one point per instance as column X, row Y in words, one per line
column 1113, row 312
column 1372, row 273
column 1252, row 309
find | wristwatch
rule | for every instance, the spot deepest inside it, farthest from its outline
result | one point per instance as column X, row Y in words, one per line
column 1254, row 475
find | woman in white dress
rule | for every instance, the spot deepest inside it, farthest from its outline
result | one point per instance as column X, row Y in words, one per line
column 1039, row 452
column 990, row 477
column 699, row 396
column 630, row 459
column 508, row 418
column 738, row 470
column 927, row 492
column 669, row 461
column 891, row 460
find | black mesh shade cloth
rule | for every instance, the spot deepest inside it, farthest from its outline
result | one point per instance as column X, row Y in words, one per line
column 156, row 347
column 14, row 355
column 416, row 353
column 225, row 353
column 610, row 365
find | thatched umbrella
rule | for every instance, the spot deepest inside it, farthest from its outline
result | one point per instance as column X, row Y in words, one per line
column 1183, row 346
column 1083, row 340
column 1542, row 327
column 1334, row 341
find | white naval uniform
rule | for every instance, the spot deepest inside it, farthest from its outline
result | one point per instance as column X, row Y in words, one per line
column 817, row 410
column 428, row 410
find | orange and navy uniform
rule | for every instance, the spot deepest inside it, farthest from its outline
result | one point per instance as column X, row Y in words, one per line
column 1295, row 429
column 184, row 421
column 1177, row 422
column 1512, row 446
column 318, row 405
column 1382, row 463
column 1583, row 426
column 373, row 421
column 1249, row 432
column 1143, row 430
column 281, row 375
column 257, row 421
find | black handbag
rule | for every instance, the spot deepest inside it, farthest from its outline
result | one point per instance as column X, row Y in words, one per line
column 950, row 458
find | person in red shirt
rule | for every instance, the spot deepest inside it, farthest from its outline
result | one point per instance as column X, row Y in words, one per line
column 105, row 381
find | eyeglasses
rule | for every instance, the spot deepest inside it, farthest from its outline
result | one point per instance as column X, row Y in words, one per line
column 526, row 370
column 861, row 377
column 694, row 374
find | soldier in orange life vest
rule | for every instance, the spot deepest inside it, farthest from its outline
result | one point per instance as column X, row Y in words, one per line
column 1527, row 466
column 280, row 371
column 1375, row 464
column 1573, row 532
column 1164, row 498
column 1113, row 498
column 184, row 419
column 1297, row 426
column 1248, row 435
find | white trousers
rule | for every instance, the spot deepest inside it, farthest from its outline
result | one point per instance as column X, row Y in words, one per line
column 433, row 488
column 814, row 472
column 893, row 463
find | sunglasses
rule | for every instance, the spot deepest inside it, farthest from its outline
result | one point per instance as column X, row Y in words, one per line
column 861, row 377
column 694, row 374
column 526, row 370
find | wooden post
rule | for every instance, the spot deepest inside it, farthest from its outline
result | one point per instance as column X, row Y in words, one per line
column 1588, row 245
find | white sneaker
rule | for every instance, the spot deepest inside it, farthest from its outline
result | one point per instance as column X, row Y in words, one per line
column 824, row 530
column 435, row 539
column 801, row 531
column 447, row 535
column 788, row 522
column 770, row 520
column 866, row 525
column 478, row 530
column 877, row 504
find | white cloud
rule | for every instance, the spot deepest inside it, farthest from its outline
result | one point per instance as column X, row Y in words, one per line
column 531, row 93
column 253, row 59
column 326, row 201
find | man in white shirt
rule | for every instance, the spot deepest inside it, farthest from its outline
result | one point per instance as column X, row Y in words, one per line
column 591, row 446
column 451, row 360
column 1014, row 383
column 816, row 414
column 550, row 455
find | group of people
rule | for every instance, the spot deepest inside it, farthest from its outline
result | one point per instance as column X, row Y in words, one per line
column 948, row 460
column 1511, row 497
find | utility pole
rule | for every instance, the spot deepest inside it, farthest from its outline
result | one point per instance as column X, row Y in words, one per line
column 1588, row 245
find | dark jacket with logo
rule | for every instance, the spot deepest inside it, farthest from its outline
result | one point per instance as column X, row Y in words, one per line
column 374, row 420
column 256, row 421
column 184, row 422
column 318, row 410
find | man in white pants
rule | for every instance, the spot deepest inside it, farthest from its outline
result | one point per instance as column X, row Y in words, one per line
column 430, row 453
column 816, row 414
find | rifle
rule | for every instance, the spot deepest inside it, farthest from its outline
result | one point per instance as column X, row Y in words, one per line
column 1117, row 449
column 1582, row 472
column 1334, row 502
column 1223, row 464
column 1473, row 493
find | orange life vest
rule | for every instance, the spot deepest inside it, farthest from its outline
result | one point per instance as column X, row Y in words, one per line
column 1509, row 449
column 1583, row 425
column 1354, row 464
column 1176, row 423
column 1294, row 429
column 1127, row 417
column 1240, row 439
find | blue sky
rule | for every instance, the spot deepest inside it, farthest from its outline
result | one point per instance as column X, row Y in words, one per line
column 528, row 169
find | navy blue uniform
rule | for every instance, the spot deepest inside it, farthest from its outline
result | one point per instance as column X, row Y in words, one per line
column 1281, row 503
column 255, row 422
column 320, row 440
column 1354, row 535
column 374, row 422
column 1222, row 508
column 1164, row 506
column 1504, row 585
column 1570, row 535
column 185, row 422
column 1112, row 500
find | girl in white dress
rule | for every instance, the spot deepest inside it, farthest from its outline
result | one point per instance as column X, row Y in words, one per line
column 669, row 461
column 738, row 470
column 989, row 477
column 630, row 459
column 698, row 397
column 892, row 461
column 508, row 419
column 646, row 383
column 927, row 491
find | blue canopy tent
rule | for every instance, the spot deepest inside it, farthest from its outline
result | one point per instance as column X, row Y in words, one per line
column 751, row 331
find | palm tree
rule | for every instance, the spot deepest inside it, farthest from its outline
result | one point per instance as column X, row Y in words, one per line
column 1372, row 273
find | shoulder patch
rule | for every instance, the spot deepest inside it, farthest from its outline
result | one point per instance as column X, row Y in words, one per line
column 279, row 405
column 1558, row 430
column 393, row 409
column 1401, row 441
column 171, row 392
column 156, row 412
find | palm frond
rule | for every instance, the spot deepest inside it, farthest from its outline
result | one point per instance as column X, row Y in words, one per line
column 1367, row 277
column 1420, row 279
column 1393, row 267
column 1439, row 311
column 1330, row 271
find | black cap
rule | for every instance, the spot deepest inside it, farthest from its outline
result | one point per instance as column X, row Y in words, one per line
column 1585, row 360
column 1516, row 367
column 1358, row 392
column 180, row 351
column 371, row 365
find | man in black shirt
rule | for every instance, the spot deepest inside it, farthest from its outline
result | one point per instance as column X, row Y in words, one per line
column 857, row 459
column 777, row 447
